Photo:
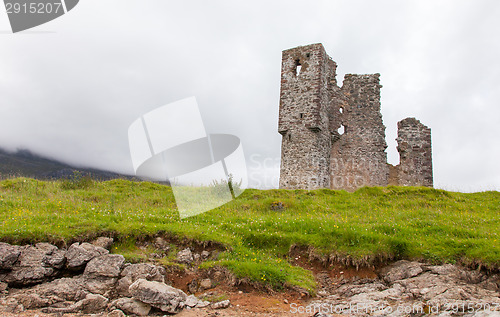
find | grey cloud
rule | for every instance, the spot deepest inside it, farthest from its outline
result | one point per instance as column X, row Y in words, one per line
column 72, row 94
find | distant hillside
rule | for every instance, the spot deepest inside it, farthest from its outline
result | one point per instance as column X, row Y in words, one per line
column 27, row 164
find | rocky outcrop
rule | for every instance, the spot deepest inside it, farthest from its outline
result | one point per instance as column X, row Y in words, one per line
column 100, row 282
column 30, row 265
column 412, row 288
column 41, row 277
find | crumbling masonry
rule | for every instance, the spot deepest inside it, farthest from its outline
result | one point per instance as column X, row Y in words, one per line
column 334, row 137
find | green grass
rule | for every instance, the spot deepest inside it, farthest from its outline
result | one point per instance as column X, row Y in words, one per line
column 361, row 228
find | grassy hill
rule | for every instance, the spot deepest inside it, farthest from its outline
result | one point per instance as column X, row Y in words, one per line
column 369, row 226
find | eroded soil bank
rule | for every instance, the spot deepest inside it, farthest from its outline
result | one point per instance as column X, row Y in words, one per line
column 86, row 279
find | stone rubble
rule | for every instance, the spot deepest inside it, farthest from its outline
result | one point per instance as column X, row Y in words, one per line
column 185, row 256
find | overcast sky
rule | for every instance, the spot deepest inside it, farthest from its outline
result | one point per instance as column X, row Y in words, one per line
column 69, row 89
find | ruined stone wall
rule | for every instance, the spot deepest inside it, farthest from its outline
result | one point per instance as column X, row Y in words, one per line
column 415, row 153
column 303, row 119
column 358, row 156
column 334, row 137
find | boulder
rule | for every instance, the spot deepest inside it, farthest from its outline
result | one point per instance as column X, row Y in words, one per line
column 102, row 272
column 161, row 244
column 132, row 306
column 78, row 255
column 192, row 301
column 91, row 304
column 49, row 294
column 34, row 264
column 133, row 272
column 109, row 265
column 205, row 254
column 103, row 242
column 205, row 284
column 10, row 305
column 185, row 256
column 222, row 304
column 159, row 295
column 8, row 255
column 116, row 313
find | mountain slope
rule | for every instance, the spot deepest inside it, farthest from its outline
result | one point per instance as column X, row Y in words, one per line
column 27, row 164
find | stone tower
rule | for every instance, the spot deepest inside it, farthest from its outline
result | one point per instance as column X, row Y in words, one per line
column 334, row 137
column 358, row 155
column 415, row 154
column 307, row 76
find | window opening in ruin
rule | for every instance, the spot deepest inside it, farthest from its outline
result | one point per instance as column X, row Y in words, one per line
column 308, row 55
column 298, row 67
column 341, row 130
column 289, row 137
column 301, row 115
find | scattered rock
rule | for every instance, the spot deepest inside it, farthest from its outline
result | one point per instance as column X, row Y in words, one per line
column 202, row 304
column 205, row 284
column 277, row 205
column 159, row 295
column 185, row 256
column 205, row 254
column 103, row 242
column 161, row 244
column 51, row 293
column 132, row 306
column 116, row 313
column 222, row 304
column 92, row 303
column 78, row 255
column 133, row 272
column 193, row 286
column 192, row 301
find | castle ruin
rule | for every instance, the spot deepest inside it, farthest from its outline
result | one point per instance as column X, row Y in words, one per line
column 334, row 137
